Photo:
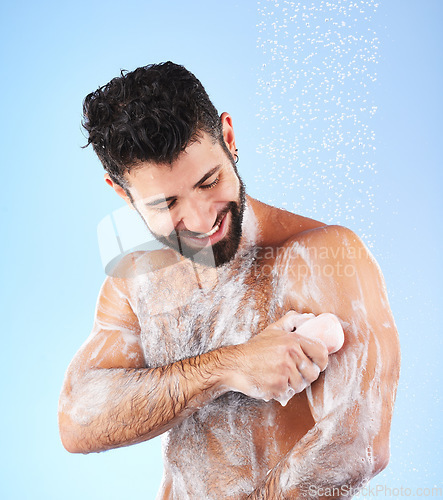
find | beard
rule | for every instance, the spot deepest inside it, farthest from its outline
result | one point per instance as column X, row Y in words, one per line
column 224, row 250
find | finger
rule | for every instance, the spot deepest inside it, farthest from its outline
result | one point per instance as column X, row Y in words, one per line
column 296, row 381
column 315, row 350
column 303, row 368
column 308, row 370
column 289, row 321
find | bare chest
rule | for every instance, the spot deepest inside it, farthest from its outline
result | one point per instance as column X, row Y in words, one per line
column 185, row 311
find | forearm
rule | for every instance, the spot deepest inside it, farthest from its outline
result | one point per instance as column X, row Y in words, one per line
column 108, row 408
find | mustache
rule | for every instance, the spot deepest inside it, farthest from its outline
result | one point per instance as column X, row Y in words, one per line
column 185, row 233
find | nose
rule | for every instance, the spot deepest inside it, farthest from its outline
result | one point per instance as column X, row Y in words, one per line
column 196, row 215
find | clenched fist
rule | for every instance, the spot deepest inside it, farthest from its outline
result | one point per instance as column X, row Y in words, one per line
column 278, row 362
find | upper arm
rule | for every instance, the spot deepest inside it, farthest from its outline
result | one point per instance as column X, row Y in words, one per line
column 114, row 343
column 331, row 270
column 115, row 338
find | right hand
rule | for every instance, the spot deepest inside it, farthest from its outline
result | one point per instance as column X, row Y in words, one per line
column 277, row 359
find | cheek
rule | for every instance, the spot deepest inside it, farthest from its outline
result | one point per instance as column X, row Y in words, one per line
column 160, row 223
column 230, row 188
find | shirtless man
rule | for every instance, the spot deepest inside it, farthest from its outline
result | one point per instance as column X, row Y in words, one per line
column 198, row 341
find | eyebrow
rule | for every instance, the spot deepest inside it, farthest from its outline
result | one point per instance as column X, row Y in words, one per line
column 209, row 174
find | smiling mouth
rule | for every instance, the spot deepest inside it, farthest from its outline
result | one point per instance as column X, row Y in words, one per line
column 206, row 235
column 216, row 228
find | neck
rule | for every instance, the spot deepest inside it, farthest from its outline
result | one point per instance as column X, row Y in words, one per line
column 250, row 226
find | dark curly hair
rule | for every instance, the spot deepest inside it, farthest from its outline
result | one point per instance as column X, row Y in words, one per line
column 150, row 114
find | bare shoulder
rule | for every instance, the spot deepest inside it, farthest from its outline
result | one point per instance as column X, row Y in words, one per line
column 162, row 277
column 141, row 262
column 327, row 243
column 276, row 225
column 333, row 233
column 290, row 237
column 326, row 266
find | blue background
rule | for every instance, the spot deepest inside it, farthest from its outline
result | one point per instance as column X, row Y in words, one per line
column 53, row 194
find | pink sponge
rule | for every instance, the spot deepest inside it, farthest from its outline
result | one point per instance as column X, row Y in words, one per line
column 325, row 327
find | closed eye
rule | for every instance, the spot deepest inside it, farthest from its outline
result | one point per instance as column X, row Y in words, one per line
column 167, row 207
column 211, row 185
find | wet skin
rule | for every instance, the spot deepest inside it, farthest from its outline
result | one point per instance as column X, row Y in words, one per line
column 221, row 423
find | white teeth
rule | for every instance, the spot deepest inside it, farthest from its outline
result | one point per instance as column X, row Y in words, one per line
column 211, row 232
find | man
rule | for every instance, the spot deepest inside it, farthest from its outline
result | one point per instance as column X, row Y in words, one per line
column 200, row 339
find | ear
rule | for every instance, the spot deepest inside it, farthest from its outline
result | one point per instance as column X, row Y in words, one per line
column 119, row 190
column 228, row 132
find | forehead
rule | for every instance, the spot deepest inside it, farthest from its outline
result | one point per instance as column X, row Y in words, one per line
column 150, row 178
